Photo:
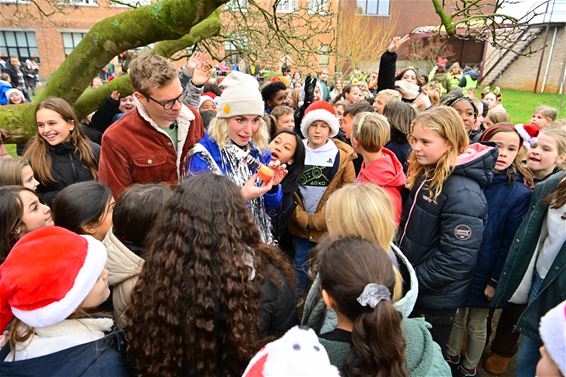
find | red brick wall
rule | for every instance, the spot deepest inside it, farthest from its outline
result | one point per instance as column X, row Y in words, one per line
column 48, row 30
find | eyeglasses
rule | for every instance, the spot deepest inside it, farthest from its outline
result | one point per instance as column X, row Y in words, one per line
column 168, row 105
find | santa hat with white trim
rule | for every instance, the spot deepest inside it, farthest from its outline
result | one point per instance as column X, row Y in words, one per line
column 47, row 275
column 297, row 353
column 320, row 110
column 552, row 331
column 528, row 132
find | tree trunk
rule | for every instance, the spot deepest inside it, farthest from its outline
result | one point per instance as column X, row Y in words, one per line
column 166, row 20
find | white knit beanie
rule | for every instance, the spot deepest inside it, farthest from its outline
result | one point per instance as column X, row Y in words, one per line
column 240, row 96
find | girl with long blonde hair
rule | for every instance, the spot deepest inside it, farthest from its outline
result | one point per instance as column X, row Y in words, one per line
column 444, row 217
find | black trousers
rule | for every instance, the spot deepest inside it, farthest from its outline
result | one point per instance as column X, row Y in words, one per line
column 506, row 340
column 441, row 321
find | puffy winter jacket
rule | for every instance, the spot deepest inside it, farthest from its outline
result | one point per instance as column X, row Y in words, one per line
column 100, row 358
column 442, row 237
column 506, row 206
column 66, row 169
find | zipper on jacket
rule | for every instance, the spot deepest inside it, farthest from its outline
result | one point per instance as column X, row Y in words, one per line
column 73, row 166
column 411, row 211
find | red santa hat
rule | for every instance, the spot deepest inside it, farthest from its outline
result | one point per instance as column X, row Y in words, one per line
column 320, row 110
column 297, row 353
column 553, row 334
column 47, row 275
column 528, row 132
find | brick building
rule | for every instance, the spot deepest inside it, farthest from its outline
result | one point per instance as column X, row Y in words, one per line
column 28, row 34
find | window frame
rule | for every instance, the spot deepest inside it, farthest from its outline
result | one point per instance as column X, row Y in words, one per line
column 290, row 6
column 72, row 33
column 364, row 12
column 29, row 47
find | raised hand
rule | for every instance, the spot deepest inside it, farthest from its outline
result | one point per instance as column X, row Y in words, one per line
column 397, row 42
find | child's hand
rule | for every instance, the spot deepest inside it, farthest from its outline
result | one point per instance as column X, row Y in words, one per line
column 280, row 171
column 489, row 292
column 250, row 190
column 115, row 95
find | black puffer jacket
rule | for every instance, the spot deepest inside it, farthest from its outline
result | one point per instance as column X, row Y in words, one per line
column 66, row 169
column 441, row 239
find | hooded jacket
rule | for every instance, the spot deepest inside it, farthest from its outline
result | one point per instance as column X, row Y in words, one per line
column 124, row 267
column 442, row 237
column 506, row 206
column 317, row 317
column 423, row 356
column 387, row 173
column 136, row 150
column 312, row 227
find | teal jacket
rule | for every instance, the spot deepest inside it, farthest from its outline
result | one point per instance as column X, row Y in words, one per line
column 422, row 354
column 518, row 270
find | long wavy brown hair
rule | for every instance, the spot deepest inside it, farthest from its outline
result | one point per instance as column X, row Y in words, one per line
column 38, row 150
column 195, row 308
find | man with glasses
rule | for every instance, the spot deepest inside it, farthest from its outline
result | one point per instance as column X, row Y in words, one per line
column 149, row 143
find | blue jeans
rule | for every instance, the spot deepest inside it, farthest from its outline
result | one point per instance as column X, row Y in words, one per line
column 529, row 355
column 302, row 255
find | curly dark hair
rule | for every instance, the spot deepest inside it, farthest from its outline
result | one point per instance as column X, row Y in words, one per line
column 195, row 308
column 346, row 266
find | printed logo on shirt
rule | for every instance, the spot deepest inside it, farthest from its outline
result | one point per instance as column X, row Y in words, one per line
column 462, row 232
column 316, row 176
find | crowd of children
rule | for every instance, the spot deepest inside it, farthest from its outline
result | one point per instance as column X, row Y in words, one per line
column 390, row 217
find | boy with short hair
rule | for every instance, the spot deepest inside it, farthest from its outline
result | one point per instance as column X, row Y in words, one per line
column 380, row 166
column 328, row 166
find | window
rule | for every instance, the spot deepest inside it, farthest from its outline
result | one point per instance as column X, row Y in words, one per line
column 131, row 3
column 71, row 40
column 18, row 43
column 286, row 6
column 236, row 5
column 231, row 53
column 324, row 55
column 81, row 3
column 318, row 6
column 373, row 7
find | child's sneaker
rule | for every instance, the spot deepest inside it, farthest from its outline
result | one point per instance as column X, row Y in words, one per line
column 453, row 362
column 465, row 372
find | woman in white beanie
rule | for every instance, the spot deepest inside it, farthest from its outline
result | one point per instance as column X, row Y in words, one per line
column 239, row 130
column 45, row 300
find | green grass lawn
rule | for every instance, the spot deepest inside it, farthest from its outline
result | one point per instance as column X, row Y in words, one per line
column 520, row 104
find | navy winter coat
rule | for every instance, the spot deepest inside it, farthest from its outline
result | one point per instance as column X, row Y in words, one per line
column 442, row 238
column 101, row 358
column 506, row 206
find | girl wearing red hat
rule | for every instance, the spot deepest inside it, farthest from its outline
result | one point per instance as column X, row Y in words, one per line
column 45, row 302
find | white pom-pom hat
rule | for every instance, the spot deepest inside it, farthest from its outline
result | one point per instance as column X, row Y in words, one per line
column 298, row 353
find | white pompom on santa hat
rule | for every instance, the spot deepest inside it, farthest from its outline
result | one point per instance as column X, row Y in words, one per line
column 297, row 353
column 528, row 132
column 47, row 275
column 320, row 110
column 552, row 331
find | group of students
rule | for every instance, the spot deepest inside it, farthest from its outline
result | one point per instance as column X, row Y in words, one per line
column 392, row 229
